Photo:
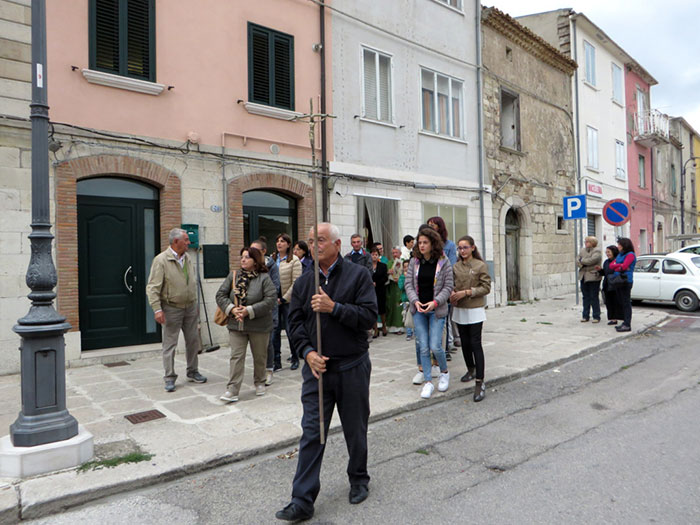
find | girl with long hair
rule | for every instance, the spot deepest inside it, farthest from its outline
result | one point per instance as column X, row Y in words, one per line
column 290, row 269
column 472, row 284
column 623, row 266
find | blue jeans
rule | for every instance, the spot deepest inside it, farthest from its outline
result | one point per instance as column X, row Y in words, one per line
column 429, row 337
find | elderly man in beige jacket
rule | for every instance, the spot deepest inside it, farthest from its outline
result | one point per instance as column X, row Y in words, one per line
column 589, row 258
column 172, row 293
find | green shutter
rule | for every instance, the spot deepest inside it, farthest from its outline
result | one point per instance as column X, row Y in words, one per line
column 270, row 67
column 122, row 37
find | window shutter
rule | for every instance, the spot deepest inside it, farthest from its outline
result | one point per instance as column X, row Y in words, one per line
column 370, row 83
column 384, row 88
column 259, row 66
column 138, row 39
column 283, row 62
column 107, row 35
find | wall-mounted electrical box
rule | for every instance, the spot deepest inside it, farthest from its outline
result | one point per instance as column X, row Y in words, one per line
column 193, row 232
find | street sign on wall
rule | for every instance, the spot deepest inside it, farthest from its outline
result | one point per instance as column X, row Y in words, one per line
column 617, row 212
column 575, row 207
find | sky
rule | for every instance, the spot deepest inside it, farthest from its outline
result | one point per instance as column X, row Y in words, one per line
column 661, row 35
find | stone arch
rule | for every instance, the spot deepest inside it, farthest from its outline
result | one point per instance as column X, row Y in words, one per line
column 291, row 186
column 67, row 175
column 525, row 262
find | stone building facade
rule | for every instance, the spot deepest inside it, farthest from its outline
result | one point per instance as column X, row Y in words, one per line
column 530, row 157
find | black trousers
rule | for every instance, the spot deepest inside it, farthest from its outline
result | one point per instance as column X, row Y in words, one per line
column 349, row 390
column 623, row 297
column 612, row 303
column 473, row 352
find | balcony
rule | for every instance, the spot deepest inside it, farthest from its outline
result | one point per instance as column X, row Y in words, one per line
column 651, row 128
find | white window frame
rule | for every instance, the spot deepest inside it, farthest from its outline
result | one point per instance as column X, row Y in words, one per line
column 592, row 148
column 590, row 62
column 617, row 90
column 459, row 7
column 441, row 209
column 620, row 160
column 436, row 106
column 377, row 54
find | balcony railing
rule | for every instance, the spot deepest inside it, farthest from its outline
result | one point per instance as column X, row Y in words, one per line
column 651, row 128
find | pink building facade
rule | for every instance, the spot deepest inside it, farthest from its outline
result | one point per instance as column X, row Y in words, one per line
column 167, row 113
column 646, row 128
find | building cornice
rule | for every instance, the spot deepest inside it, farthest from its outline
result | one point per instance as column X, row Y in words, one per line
column 521, row 35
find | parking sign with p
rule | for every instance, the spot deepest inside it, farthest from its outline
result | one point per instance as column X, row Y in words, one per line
column 575, row 207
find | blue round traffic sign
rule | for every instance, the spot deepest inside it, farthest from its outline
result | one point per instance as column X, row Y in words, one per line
column 617, row 212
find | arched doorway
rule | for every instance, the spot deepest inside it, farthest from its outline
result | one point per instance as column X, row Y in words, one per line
column 267, row 214
column 512, row 256
column 118, row 232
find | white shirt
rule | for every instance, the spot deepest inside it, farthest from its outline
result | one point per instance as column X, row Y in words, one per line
column 469, row 315
column 180, row 259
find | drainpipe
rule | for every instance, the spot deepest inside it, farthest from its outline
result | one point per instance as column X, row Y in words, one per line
column 324, row 147
column 480, row 123
column 653, row 202
column 574, row 44
column 224, row 200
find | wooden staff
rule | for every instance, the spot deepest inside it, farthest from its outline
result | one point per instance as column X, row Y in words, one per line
column 317, row 285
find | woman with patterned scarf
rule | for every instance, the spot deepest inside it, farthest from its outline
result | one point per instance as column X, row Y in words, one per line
column 248, row 296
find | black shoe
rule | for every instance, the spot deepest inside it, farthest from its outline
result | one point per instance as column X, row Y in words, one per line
column 196, row 377
column 277, row 367
column 448, row 357
column 479, row 391
column 358, row 493
column 293, row 513
column 611, row 323
column 295, row 364
column 289, row 359
column 469, row 376
column 623, row 328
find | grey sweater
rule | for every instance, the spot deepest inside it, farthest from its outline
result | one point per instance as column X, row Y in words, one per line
column 444, row 283
column 262, row 298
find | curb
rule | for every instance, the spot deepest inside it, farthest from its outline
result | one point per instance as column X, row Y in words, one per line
column 64, row 501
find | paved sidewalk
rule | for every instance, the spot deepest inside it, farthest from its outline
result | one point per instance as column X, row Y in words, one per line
column 200, row 432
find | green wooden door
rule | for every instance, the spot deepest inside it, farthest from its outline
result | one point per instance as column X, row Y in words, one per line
column 115, row 237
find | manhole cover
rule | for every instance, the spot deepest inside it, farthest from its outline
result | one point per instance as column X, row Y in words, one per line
column 142, row 417
column 117, row 363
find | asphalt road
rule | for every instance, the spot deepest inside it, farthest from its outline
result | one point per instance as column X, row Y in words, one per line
column 611, row 437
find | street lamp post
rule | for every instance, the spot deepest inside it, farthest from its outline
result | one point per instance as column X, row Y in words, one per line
column 685, row 165
column 44, row 417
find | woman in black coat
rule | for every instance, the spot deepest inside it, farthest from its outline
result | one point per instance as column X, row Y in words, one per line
column 380, row 276
column 612, row 302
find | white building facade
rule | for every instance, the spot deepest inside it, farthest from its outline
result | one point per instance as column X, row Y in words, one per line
column 599, row 112
column 406, row 137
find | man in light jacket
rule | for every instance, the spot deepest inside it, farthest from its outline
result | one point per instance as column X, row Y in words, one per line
column 589, row 257
column 172, row 293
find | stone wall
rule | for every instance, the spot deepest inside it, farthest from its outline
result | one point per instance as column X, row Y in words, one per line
column 15, row 57
column 533, row 180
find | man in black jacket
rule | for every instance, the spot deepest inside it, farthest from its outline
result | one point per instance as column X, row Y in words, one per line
column 348, row 307
column 358, row 254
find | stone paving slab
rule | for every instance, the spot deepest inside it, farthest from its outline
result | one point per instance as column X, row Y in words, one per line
column 199, row 431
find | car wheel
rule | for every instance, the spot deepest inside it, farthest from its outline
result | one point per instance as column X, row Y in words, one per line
column 686, row 301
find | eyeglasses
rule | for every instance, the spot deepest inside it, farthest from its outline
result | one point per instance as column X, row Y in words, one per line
column 464, row 247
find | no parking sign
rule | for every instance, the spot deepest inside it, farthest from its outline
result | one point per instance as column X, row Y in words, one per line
column 617, row 212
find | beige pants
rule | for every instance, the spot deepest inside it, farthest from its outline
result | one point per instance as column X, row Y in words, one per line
column 177, row 319
column 258, row 347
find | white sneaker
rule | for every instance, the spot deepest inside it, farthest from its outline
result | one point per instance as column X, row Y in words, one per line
column 444, row 382
column 427, row 391
column 435, row 371
column 229, row 397
column 268, row 378
column 260, row 390
column 418, row 378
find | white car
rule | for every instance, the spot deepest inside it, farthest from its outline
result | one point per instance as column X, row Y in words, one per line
column 673, row 277
column 693, row 248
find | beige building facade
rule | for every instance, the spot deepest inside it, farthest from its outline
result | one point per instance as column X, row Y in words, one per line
column 530, row 159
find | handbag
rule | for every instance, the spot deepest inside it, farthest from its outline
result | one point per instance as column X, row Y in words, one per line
column 617, row 280
column 407, row 317
column 220, row 317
